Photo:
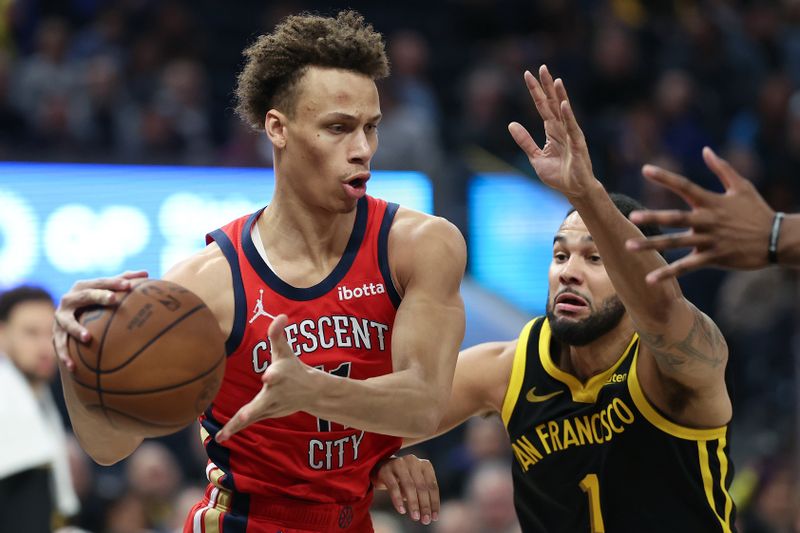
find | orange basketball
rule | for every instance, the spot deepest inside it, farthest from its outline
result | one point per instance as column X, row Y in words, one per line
column 155, row 361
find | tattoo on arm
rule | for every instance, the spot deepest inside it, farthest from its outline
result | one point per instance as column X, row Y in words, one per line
column 703, row 344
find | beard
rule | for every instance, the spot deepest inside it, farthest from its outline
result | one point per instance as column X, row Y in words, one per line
column 582, row 332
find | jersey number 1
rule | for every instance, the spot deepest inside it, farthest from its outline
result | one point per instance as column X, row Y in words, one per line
column 343, row 371
column 591, row 486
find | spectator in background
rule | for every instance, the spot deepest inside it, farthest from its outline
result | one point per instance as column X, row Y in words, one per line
column 155, row 479
column 456, row 516
column 485, row 439
column 490, row 493
column 47, row 83
column 35, row 483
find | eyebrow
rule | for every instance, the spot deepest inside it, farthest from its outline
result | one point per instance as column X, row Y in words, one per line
column 561, row 239
column 336, row 115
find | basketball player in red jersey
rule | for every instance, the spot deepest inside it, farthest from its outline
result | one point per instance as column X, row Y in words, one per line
column 342, row 311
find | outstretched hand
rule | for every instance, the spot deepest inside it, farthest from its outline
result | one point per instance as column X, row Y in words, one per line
column 729, row 230
column 286, row 385
column 563, row 163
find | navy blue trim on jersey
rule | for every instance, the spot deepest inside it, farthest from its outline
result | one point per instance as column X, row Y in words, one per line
column 219, row 455
column 234, row 521
column 383, row 253
column 323, row 287
column 239, row 300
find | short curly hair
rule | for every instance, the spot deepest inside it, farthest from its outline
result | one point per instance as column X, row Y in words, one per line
column 276, row 61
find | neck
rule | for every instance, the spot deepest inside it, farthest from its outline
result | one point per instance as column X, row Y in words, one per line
column 599, row 355
column 291, row 229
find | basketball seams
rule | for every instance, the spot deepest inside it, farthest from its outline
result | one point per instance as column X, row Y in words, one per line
column 159, row 389
column 150, row 342
column 97, row 371
column 133, row 408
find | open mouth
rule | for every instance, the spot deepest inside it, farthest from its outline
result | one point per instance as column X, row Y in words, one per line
column 568, row 302
column 356, row 187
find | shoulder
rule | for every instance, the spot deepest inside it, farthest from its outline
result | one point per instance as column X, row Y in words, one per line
column 418, row 242
column 203, row 266
column 208, row 274
column 415, row 228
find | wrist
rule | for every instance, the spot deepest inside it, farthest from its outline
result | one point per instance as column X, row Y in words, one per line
column 774, row 238
column 587, row 193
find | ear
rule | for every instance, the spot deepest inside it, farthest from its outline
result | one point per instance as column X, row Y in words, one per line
column 275, row 125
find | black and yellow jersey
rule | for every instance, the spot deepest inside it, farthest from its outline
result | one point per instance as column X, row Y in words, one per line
column 598, row 457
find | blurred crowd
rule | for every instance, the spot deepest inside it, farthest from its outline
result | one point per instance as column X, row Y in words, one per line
column 146, row 81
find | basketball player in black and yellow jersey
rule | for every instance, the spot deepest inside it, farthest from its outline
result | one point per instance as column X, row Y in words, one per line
column 615, row 401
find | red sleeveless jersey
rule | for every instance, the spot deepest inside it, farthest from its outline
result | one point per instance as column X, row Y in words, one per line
column 343, row 325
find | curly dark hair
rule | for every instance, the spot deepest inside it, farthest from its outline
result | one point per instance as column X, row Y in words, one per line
column 276, row 61
column 11, row 298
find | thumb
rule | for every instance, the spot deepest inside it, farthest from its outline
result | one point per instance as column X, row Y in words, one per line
column 277, row 338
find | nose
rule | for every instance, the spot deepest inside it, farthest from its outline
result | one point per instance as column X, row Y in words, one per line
column 360, row 149
column 571, row 273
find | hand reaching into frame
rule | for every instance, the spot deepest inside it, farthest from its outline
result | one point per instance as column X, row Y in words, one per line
column 728, row 230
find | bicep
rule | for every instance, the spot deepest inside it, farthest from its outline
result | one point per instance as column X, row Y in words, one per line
column 429, row 325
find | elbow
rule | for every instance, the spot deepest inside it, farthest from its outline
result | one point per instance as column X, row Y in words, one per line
column 105, row 454
column 426, row 423
column 103, row 458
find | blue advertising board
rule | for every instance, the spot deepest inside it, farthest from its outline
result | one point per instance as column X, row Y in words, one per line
column 63, row 222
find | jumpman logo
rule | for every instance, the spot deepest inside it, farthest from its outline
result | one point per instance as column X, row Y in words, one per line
column 258, row 310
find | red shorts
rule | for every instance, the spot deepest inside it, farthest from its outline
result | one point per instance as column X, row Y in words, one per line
column 215, row 514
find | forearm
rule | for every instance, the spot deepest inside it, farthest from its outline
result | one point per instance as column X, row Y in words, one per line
column 609, row 230
column 400, row 403
column 789, row 242
column 103, row 444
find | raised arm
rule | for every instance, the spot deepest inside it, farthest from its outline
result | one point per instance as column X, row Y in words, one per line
column 428, row 258
column 729, row 230
column 683, row 354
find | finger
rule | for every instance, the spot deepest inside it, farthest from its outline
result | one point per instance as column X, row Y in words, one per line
column 409, row 491
column 729, row 177
column 546, row 81
column 395, row 494
column 574, row 132
column 524, row 139
column 685, row 264
column 279, row 346
column 60, row 340
column 692, row 194
column 113, row 284
column 539, row 97
column 561, row 91
column 433, row 488
column 242, row 419
column 66, row 322
column 687, row 239
column 673, row 218
column 421, row 489
column 134, row 274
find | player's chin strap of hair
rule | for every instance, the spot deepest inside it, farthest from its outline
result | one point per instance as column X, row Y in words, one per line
column 772, row 252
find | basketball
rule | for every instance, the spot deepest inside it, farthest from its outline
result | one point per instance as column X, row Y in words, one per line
column 155, row 361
